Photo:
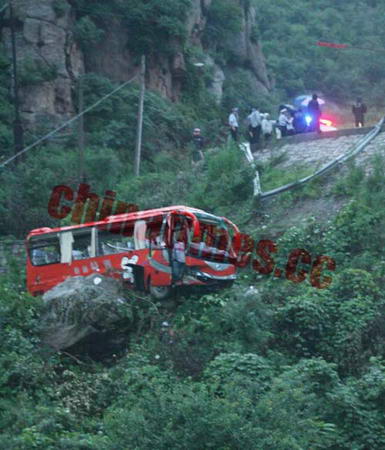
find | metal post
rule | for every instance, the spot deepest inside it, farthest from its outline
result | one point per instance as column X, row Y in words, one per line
column 138, row 148
column 17, row 125
column 81, row 139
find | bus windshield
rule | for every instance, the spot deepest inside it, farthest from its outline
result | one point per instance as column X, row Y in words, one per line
column 214, row 242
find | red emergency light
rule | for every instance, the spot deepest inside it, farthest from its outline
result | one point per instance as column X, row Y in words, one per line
column 326, row 122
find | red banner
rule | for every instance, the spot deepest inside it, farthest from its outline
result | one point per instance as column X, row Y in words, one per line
column 330, row 44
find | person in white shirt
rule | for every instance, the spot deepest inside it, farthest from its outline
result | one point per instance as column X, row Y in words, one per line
column 233, row 124
column 267, row 126
column 282, row 122
column 290, row 124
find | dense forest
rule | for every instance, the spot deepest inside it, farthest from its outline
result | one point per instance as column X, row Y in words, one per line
column 267, row 364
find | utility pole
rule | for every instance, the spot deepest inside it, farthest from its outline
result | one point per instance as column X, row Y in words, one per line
column 138, row 148
column 81, row 139
column 17, row 125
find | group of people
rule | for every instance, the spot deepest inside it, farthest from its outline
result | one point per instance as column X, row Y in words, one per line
column 301, row 120
column 259, row 125
column 290, row 121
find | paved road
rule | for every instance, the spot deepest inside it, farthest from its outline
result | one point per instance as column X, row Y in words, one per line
column 317, row 153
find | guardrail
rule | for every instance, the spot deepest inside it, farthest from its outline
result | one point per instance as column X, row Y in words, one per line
column 355, row 149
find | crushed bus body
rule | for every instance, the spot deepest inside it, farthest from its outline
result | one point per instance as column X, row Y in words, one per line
column 153, row 250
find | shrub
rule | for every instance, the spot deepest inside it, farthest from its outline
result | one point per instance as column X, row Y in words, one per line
column 224, row 18
column 87, row 33
column 154, row 26
column 60, row 7
column 36, row 71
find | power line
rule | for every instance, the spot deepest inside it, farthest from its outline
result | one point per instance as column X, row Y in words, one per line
column 39, row 141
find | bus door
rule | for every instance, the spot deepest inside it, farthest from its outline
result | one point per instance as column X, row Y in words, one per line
column 158, row 270
column 182, row 229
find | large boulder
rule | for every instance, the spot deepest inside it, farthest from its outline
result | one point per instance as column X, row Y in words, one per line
column 81, row 306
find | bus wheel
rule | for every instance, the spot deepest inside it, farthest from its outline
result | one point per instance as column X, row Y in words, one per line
column 159, row 292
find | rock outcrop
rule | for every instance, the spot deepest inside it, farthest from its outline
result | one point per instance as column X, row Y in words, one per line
column 81, row 306
column 45, row 37
column 46, row 40
column 248, row 52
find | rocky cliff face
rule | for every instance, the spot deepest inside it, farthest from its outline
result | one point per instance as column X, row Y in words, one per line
column 45, row 39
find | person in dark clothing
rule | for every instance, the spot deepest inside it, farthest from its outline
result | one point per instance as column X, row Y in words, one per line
column 359, row 109
column 199, row 143
column 299, row 121
column 314, row 111
column 254, row 129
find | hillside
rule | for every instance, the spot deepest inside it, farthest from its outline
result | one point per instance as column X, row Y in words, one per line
column 292, row 356
column 264, row 350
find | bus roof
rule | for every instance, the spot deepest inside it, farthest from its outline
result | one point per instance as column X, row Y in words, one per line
column 126, row 218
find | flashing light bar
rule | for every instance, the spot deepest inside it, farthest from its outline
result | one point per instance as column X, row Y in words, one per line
column 326, row 122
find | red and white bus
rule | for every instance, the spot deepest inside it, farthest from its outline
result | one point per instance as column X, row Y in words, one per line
column 152, row 250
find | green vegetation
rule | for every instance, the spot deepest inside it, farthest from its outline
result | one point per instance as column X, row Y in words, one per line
column 36, row 71
column 289, row 32
column 223, row 19
column 281, row 365
column 61, row 7
column 152, row 25
column 87, row 33
column 6, row 112
column 269, row 364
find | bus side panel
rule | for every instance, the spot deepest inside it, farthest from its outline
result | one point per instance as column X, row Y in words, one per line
column 157, row 267
column 40, row 279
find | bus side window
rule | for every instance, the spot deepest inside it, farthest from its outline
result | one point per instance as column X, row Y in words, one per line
column 44, row 250
column 111, row 241
column 140, row 235
column 153, row 237
column 81, row 247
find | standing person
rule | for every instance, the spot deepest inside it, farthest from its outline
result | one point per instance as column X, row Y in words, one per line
column 233, row 124
column 289, row 124
column 359, row 109
column 266, row 127
column 282, row 122
column 314, row 111
column 199, row 142
column 299, row 121
column 254, row 119
column 178, row 257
